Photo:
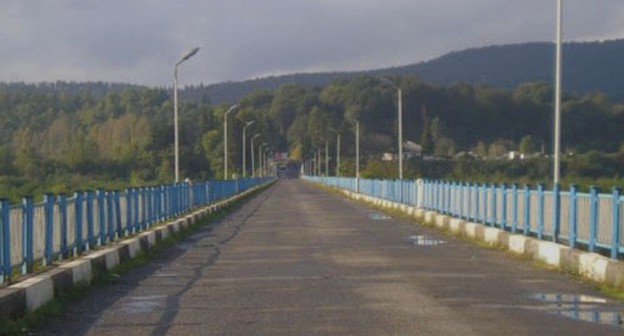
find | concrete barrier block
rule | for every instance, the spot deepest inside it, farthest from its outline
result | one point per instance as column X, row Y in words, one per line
column 112, row 258
column 163, row 232
column 133, row 246
column 420, row 214
column 62, row 280
column 615, row 273
column 410, row 211
column 517, row 244
column 475, row 231
column 456, row 225
column 429, row 217
column 492, row 235
column 39, row 290
column 81, row 271
column 550, row 253
column 570, row 259
column 593, row 266
column 442, row 221
column 150, row 237
column 189, row 220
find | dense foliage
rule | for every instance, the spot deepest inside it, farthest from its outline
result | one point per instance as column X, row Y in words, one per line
column 60, row 139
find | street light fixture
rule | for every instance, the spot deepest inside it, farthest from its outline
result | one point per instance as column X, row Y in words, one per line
column 249, row 123
column 225, row 141
column 175, row 111
column 400, row 121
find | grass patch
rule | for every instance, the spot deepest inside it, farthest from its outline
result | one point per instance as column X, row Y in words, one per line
column 616, row 293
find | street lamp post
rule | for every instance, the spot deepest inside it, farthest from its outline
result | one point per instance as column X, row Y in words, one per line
column 175, row 111
column 400, row 122
column 557, row 145
column 357, row 156
column 225, row 141
column 249, row 123
column 337, row 152
column 318, row 163
column 261, row 157
column 326, row 158
column 266, row 161
column 253, row 164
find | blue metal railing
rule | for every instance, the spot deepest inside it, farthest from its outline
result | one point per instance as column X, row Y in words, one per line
column 592, row 221
column 62, row 227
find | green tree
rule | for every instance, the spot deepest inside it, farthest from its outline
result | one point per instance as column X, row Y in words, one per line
column 527, row 145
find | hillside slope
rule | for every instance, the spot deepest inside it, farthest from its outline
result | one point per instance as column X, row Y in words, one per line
column 588, row 67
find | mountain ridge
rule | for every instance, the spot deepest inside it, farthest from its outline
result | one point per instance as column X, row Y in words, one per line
column 588, row 67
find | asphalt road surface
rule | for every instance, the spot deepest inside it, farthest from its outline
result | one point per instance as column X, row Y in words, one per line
column 296, row 260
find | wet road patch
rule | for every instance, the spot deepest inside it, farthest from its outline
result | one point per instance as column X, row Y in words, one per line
column 583, row 308
column 421, row 240
column 142, row 304
column 378, row 216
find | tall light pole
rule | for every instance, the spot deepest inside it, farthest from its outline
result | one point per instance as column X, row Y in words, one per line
column 326, row 158
column 266, row 161
column 175, row 111
column 253, row 164
column 225, row 141
column 357, row 156
column 337, row 151
column 400, row 122
column 318, row 151
column 249, row 123
column 557, row 169
column 261, row 158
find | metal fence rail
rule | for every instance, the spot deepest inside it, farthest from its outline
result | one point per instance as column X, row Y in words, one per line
column 35, row 235
column 592, row 221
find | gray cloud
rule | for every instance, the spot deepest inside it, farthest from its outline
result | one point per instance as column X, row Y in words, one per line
column 138, row 41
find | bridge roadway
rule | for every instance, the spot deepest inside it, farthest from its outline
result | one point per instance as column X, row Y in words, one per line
column 296, row 260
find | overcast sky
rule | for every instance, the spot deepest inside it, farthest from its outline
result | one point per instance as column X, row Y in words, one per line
column 139, row 41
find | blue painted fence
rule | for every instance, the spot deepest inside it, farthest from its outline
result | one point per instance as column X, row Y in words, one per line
column 63, row 227
column 592, row 221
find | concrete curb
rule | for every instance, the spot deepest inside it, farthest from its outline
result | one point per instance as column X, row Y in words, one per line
column 592, row 266
column 31, row 293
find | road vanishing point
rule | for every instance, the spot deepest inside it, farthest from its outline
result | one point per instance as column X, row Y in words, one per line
column 299, row 260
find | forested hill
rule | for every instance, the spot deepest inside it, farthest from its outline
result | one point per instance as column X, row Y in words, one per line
column 588, row 67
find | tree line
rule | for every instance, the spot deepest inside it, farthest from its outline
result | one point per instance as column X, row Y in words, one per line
column 60, row 140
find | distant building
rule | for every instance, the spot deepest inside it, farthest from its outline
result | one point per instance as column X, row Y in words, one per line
column 514, row 155
column 410, row 150
column 389, row 157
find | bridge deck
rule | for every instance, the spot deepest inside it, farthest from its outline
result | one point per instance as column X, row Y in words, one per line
column 296, row 260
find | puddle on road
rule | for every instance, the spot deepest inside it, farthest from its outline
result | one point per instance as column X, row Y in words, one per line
column 568, row 299
column 378, row 216
column 421, row 240
column 141, row 304
column 583, row 308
